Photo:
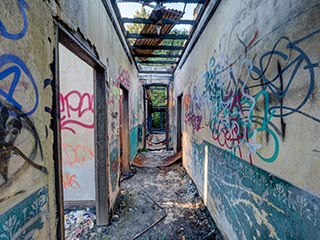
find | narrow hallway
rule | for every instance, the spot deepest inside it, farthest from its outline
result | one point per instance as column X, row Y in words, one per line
column 159, row 119
column 154, row 203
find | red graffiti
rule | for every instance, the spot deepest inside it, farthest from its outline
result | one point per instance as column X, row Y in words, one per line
column 124, row 78
column 73, row 106
column 72, row 155
column 69, row 181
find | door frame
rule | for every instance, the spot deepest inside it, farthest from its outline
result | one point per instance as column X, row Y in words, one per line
column 145, row 86
column 125, row 131
column 179, row 123
column 81, row 48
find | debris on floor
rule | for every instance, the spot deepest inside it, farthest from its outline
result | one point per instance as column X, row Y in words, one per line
column 164, row 159
column 154, row 203
column 80, row 224
column 156, row 141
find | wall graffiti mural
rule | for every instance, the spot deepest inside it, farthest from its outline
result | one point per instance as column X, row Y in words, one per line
column 244, row 98
column 14, row 36
column 20, row 145
column 251, row 202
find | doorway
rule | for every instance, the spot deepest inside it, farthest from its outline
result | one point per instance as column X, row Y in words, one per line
column 156, row 117
column 79, row 113
column 124, row 131
column 179, row 123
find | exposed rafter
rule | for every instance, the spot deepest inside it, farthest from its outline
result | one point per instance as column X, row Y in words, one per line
column 157, row 62
column 158, row 55
column 159, row 33
column 161, row 47
column 155, row 21
column 161, row 36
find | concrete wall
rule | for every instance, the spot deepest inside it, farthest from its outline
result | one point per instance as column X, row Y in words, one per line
column 251, row 118
column 27, row 43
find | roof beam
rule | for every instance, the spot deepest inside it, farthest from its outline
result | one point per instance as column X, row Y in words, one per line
column 157, row 55
column 157, row 62
column 162, row 36
column 155, row 21
column 155, row 72
column 161, row 47
column 164, row 1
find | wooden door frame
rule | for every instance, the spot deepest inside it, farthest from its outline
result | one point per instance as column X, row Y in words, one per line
column 81, row 48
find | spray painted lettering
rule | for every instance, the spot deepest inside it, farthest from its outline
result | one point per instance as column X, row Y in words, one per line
column 78, row 154
column 75, row 109
column 69, row 181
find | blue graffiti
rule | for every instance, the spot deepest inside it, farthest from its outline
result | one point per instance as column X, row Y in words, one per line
column 300, row 63
column 16, row 67
column 3, row 31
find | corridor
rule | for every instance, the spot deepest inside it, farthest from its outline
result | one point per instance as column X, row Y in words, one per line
column 159, row 119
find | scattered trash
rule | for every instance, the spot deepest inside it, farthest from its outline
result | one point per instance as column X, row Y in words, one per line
column 79, row 224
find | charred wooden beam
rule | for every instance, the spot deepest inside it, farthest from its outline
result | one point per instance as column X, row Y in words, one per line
column 155, row 36
column 157, row 62
column 155, row 21
column 161, row 47
column 157, row 55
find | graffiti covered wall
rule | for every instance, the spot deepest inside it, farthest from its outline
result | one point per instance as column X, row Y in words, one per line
column 26, row 152
column 254, row 97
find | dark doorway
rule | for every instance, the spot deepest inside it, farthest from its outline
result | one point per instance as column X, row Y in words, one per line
column 179, row 123
column 124, row 131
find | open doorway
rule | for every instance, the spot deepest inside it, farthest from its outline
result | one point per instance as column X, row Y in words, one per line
column 156, row 115
column 179, row 123
column 79, row 131
column 124, row 131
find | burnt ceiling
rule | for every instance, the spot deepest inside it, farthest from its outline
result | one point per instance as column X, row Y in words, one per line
column 164, row 33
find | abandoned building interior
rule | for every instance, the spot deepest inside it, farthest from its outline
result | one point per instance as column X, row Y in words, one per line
column 230, row 86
